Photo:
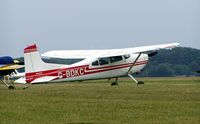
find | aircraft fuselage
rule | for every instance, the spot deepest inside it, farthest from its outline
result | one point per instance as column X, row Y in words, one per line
column 87, row 70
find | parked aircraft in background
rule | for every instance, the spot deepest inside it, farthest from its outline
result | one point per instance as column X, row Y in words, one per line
column 8, row 66
column 96, row 64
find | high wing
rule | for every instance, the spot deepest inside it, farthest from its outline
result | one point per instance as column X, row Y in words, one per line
column 73, row 54
column 139, row 49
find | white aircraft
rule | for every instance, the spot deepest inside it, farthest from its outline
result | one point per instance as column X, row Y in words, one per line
column 96, row 64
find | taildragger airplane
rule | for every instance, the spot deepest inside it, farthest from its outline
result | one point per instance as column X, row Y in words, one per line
column 96, row 64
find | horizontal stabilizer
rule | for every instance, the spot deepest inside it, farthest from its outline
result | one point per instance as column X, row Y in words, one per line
column 21, row 80
column 44, row 79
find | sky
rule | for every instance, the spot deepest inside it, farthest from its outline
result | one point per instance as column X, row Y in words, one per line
column 96, row 24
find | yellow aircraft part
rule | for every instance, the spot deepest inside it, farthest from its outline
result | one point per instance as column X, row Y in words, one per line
column 10, row 67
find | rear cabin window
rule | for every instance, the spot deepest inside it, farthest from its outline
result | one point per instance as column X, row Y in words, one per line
column 95, row 63
column 115, row 59
column 103, row 61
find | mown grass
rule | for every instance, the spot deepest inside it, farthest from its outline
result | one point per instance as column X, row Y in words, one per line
column 158, row 101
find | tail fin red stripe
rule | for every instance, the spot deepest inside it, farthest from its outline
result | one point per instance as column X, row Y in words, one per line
column 31, row 48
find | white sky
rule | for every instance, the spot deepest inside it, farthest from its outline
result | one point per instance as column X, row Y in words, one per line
column 96, row 24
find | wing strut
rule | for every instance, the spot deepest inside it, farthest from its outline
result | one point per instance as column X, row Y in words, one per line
column 129, row 71
column 134, row 63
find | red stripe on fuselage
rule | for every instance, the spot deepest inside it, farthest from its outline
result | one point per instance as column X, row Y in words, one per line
column 97, row 70
column 77, row 71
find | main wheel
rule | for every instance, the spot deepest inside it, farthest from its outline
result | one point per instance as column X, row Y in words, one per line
column 140, row 82
column 114, row 83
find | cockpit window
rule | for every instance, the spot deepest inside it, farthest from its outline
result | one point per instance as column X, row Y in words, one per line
column 103, row 61
column 115, row 58
column 95, row 63
column 127, row 56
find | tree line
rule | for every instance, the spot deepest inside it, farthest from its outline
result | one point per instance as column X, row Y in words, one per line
column 180, row 61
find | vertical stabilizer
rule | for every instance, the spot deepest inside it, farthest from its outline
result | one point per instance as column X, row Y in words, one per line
column 34, row 63
column 32, row 59
column 35, row 67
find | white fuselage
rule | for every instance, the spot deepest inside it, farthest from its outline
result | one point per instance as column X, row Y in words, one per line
column 86, row 71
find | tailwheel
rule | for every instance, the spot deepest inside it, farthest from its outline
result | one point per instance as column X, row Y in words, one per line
column 24, row 88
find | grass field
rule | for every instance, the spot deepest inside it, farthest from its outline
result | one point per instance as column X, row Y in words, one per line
column 158, row 101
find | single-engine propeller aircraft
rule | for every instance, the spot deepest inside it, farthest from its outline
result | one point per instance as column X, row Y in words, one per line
column 8, row 66
column 96, row 64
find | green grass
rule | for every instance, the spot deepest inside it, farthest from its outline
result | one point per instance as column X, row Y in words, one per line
column 158, row 101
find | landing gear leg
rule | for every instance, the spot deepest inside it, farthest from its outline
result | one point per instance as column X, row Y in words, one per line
column 137, row 82
column 115, row 82
column 8, row 83
column 129, row 71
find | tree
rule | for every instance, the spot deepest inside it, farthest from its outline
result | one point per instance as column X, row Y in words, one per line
column 162, row 70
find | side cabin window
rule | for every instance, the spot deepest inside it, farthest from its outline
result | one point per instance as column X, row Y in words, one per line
column 95, row 63
column 103, row 61
column 115, row 59
column 127, row 56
